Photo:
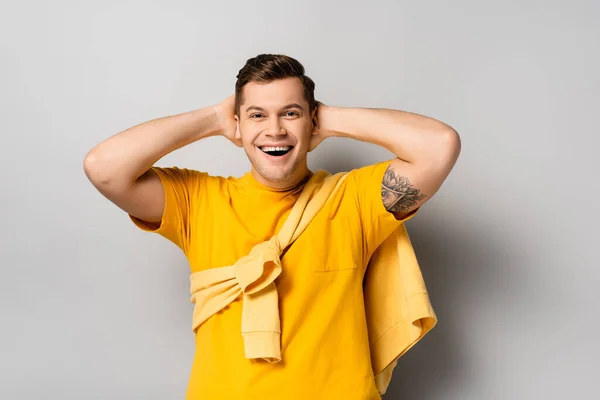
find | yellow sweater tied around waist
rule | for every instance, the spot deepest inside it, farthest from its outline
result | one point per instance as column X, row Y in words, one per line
column 397, row 305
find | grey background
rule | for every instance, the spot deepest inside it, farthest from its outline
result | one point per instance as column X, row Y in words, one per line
column 93, row 308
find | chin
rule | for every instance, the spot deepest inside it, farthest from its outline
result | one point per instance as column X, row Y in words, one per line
column 276, row 174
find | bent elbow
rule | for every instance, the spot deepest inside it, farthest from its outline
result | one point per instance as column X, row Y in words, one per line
column 95, row 169
column 451, row 144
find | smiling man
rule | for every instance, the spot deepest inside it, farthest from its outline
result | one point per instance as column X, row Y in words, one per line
column 318, row 346
column 276, row 146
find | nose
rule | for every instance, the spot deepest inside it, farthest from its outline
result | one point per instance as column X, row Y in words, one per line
column 275, row 129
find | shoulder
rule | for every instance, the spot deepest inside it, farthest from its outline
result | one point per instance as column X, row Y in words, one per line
column 372, row 173
column 365, row 182
column 359, row 189
column 187, row 175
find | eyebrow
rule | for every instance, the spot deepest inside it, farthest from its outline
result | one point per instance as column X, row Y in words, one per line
column 287, row 107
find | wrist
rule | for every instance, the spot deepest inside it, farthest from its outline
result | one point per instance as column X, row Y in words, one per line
column 207, row 122
column 216, row 116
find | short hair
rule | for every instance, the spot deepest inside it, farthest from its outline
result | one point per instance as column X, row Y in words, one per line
column 266, row 68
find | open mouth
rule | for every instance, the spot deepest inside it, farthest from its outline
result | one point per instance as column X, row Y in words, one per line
column 277, row 151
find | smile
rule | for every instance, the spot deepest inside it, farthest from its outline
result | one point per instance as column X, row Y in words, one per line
column 276, row 151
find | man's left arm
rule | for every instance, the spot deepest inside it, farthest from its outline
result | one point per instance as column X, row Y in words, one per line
column 426, row 150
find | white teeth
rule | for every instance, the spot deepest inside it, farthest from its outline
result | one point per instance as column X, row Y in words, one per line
column 284, row 148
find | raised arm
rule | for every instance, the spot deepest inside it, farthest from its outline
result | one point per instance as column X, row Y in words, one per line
column 426, row 150
column 119, row 167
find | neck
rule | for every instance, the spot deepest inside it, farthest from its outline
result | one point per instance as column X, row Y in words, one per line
column 301, row 175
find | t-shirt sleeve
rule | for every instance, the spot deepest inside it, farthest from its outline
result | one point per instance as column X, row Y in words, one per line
column 377, row 222
column 183, row 190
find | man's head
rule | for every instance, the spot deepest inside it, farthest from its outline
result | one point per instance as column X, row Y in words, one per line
column 276, row 109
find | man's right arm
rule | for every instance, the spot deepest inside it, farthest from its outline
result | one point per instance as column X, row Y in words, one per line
column 119, row 167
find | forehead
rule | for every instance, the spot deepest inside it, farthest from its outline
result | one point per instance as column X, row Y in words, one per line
column 274, row 94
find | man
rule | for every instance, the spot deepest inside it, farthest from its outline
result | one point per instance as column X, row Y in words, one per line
column 216, row 221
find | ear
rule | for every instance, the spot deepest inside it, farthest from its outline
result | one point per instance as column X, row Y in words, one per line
column 315, row 122
column 238, row 135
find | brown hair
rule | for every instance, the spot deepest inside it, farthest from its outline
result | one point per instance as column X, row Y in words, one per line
column 266, row 68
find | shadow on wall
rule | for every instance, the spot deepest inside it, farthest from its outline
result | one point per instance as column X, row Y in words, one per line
column 467, row 273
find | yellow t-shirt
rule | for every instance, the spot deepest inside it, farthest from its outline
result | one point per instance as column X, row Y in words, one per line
column 324, row 339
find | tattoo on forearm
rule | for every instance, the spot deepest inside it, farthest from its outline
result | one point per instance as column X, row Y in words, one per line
column 397, row 193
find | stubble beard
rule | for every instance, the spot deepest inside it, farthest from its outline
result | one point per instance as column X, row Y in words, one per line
column 275, row 174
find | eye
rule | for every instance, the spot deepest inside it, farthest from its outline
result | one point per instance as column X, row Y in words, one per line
column 291, row 114
column 256, row 115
